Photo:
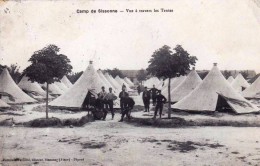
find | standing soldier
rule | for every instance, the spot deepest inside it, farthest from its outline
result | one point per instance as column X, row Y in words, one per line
column 122, row 95
column 146, row 99
column 160, row 100
column 128, row 106
column 110, row 97
column 101, row 96
column 154, row 92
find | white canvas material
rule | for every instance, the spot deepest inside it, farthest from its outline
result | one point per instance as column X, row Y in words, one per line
column 239, row 83
column 7, row 85
column 53, row 89
column 230, row 79
column 4, row 104
column 205, row 96
column 174, row 83
column 253, row 91
column 127, row 80
column 106, row 82
column 121, row 82
column 66, row 81
column 184, row 88
column 29, row 86
column 151, row 81
column 112, row 82
column 75, row 96
column 61, row 86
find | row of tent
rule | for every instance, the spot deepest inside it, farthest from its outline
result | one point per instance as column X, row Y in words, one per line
column 191, row 93
column 90, row 81
column 29, row 92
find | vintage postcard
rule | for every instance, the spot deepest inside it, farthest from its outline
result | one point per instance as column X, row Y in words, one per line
column 133, row 83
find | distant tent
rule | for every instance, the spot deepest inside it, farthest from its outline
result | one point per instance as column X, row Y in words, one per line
column 112, row 82
column 61, row 86
column 4, row 104
column 253, row 91
column 239, row 84
column 66, row 81
column 160, row 85
column 106, row 82
column 120, row 81
column 75, row 96
column 53, row 89
column 184, row 88
column 174, row 83
column 7, row 85
column 230, row 79
column 32, row 88
column 151, row 81
column 127, row 80
column 207, row 96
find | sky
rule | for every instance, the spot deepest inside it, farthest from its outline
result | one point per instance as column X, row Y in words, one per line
column 226, row 32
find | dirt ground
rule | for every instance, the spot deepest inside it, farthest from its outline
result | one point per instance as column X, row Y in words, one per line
column 113, row 143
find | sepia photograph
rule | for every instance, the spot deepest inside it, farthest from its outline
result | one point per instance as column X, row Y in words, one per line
column 129, row 83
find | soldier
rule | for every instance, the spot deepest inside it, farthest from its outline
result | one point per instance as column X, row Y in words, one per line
column 128, row 106
column 104, row 104
column 122, row 95
column 160, row 100
column 110, row 97
column 154, row 92
column 146, row 99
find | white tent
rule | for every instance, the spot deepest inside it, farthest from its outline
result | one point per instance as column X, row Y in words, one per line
column 66, row 81
column 120, row 81
column 204, row 98
column 4, row 104
column 33, row 88
column 75, row 96
column 230, row 79
column 239, row 84
column 188, row 85
column 174, row 83
column 151, row 81
column 106, row 82
column 53, row 89
column 112, row 82
column 127, row 80
column 253, row 91
column 7, row 85
column 62, row 87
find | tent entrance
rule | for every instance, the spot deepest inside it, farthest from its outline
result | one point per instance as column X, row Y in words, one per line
column 89, row 100
column 222, row 105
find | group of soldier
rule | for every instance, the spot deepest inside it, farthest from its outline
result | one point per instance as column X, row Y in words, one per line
column 157, row 98
column 107, row 101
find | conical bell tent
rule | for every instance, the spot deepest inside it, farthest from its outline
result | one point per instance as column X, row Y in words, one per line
column 66, row 81
column 188, row 85
column 253, row 91
column 239, row 84
column 7, row 85
column 176, row 81
column 53, row 89
column 115, row 82
column 127, row 80
column 75, row 96
column 204, row 98
column 61, row 86
column 121, row 82
column 102, row 77
column 230, row 79
column 32, row 87
column 4, row 104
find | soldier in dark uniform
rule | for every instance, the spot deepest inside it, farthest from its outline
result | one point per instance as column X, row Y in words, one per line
column 154, row 93
column 122, row 95
column 110, row 97
column 160, row 100
column 146, row 99
column 128, row 106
